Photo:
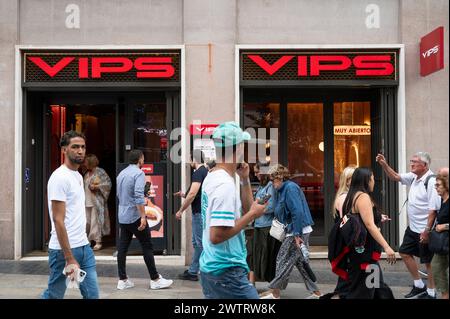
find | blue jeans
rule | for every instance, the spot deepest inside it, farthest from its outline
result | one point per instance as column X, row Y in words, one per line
column 197, row 231
column 232, row 284
column 57, row 281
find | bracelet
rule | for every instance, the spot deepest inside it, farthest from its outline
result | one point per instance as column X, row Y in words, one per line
column 245, row 183
column 427, row 228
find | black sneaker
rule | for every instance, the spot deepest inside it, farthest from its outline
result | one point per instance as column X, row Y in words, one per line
column 415, row 292
column 426, row 296
column 188, row 276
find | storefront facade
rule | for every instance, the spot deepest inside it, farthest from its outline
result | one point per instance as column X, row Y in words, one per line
column 120, row 100
column 328, row 116
column 333, row 107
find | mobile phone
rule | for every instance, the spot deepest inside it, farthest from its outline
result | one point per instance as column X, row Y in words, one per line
column 264, row 199
column 81, row 275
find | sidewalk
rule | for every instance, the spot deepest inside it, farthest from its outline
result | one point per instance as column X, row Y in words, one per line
column 27, row 280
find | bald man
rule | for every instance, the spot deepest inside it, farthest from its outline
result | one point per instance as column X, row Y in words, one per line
column 443, row 171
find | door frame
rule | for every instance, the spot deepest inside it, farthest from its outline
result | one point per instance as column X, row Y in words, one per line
column 172, row 181
column 19, row 93
column 47, row 97
column 326, row 97
column 398, row 100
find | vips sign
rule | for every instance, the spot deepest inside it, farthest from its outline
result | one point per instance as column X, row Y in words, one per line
column 432, row 52
column 319, row 65
column 101, row 67
column 201, row 141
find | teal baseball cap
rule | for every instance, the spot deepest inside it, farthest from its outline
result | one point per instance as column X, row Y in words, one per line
column 229, row 134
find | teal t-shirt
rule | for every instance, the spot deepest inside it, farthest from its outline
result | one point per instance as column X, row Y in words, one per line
column 221, row 207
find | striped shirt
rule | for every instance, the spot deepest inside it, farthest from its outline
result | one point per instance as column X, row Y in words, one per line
column 221, row 207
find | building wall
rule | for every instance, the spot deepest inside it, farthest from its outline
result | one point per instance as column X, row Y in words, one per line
column 427, row 100
column 210, row 30
column 8, row 38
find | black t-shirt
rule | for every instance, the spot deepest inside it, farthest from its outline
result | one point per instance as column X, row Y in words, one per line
column 198, row 177
column 442, row 217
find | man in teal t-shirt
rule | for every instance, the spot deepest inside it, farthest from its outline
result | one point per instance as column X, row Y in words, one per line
column 225, row 215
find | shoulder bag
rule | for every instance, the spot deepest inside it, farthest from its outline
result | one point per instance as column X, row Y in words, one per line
column 277, row 230
column 438, row 242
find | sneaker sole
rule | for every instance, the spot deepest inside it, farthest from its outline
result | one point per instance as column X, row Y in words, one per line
column 124, row 288
column 416, row 296
column 158, row 288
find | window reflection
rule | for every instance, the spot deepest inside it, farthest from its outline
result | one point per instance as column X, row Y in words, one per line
column 352, row 136
column 261, row 115
column 306, row 156
column 150, row 131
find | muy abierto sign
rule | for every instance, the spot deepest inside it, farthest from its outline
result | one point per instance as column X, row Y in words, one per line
column 432, row 52
column 352, row 130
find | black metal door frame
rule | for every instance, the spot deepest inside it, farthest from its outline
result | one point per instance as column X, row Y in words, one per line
column 34, row 127
column 384, row 135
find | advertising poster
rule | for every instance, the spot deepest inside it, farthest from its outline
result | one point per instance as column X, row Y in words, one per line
column 154, row 205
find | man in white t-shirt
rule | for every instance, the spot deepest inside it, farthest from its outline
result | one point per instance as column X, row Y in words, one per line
column 69, row 248
column 423, row 203
column 223, row 264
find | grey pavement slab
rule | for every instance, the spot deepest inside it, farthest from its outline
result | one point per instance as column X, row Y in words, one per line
column 26, row 279
column 16, row 286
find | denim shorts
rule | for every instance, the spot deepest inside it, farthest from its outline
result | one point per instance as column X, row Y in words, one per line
column 233, row 283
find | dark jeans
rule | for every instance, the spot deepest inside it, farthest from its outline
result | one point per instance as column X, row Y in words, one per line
column 126, row 234
column 197, row 233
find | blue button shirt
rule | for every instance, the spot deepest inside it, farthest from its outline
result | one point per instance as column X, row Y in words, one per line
column 130, row 192
column 266, row 219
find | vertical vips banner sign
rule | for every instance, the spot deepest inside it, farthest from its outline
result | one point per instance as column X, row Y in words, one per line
column 432, row 52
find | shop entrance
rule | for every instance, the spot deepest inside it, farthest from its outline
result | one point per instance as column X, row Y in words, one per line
column 113, row 124
column 320, row 132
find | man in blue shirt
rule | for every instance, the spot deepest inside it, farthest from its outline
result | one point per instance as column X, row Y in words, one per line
column 132, row 221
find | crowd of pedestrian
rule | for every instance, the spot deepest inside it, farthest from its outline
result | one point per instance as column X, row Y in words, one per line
column 228, row 261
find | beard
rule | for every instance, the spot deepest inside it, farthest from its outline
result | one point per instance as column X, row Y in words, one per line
column 75, row 160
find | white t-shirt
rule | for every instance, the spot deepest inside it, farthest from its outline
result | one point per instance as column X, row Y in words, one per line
column 66, row 185
column 221, row 207
column 420, row 201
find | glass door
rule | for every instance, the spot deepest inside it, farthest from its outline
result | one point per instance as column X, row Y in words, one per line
column 305, row 156
column 352, row 135
column 321, row 131
column 144, row 119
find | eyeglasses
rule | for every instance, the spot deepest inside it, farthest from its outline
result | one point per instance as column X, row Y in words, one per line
column 416, row 162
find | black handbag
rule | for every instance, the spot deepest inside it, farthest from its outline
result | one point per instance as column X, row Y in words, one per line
column 438, row 242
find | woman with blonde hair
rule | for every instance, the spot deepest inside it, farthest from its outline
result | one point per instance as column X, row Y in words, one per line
column 97, row 186
column 344, row 183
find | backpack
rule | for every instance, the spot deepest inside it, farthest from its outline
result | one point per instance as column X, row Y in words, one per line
column 425, row 183
column 427, row 180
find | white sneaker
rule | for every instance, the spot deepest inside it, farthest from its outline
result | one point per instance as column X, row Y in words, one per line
column 269, row 296
column 314, row 296
column 125, row 284
column 160, row 283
